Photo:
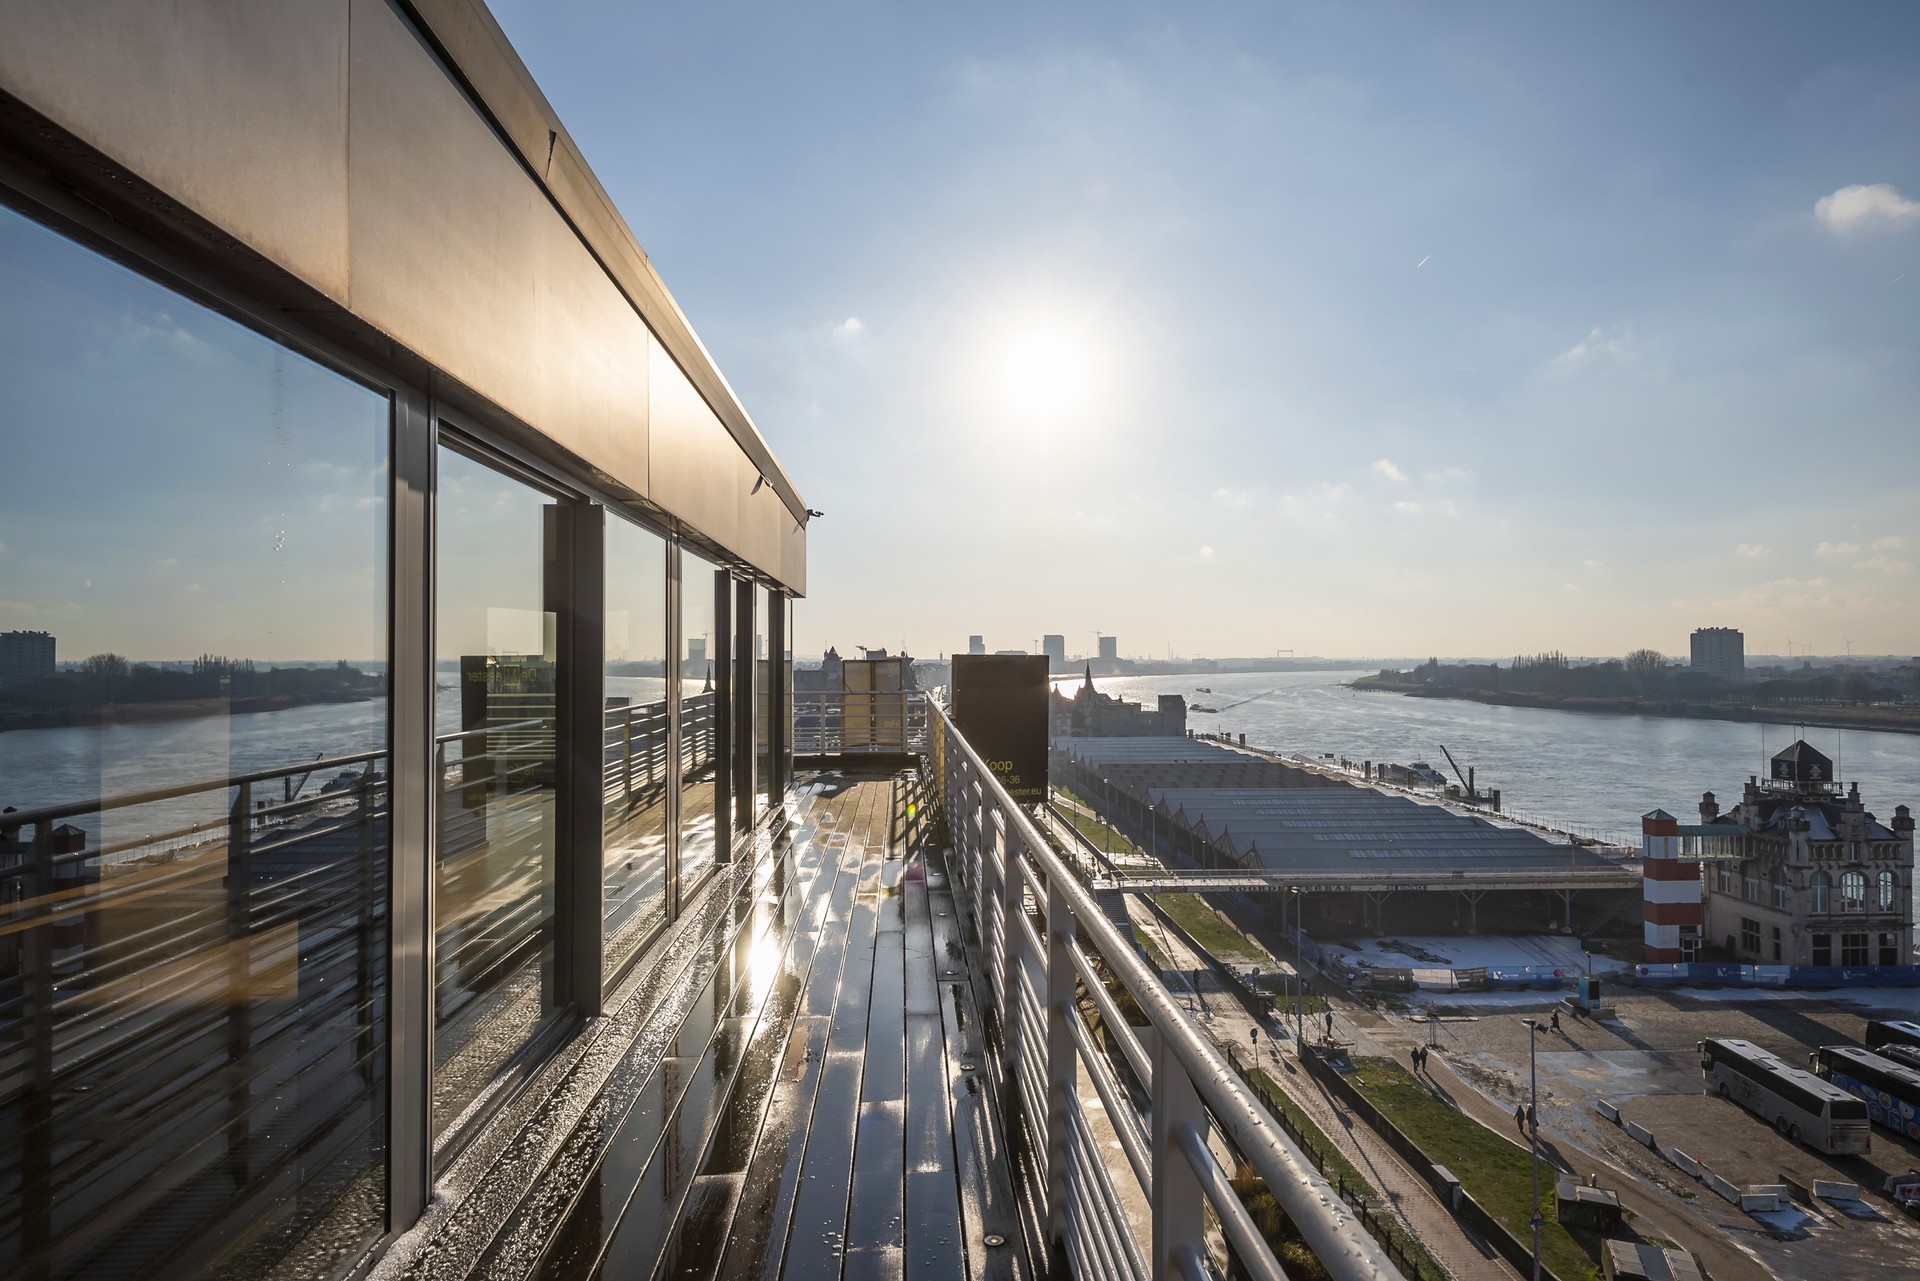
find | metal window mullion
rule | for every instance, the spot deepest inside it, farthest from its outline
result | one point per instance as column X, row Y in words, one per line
column 413, row 789
column 676, row 643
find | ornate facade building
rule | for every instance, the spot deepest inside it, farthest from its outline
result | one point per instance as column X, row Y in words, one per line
column 1091, row 714
column 1800, row 873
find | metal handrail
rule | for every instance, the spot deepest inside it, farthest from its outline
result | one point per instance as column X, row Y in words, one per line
column 1191, row 1083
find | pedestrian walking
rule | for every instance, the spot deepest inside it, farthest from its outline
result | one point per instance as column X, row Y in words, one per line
column 1556, row 1018
column 1520, row 1120
column 1414, row 1054
column 1533, row 1119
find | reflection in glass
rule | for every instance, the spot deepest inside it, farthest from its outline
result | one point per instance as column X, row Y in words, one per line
column 634, row 773
column 193, row 988
column 700, row 764
column 786, row 692
column 762, row 700
column 495, row 623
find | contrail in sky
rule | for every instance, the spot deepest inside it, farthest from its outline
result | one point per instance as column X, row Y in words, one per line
column 1423, row 262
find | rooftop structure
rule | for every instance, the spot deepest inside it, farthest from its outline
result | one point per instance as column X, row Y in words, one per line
column 1247, row 823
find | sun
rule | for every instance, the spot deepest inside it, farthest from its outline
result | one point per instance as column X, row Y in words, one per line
column 1046, row 371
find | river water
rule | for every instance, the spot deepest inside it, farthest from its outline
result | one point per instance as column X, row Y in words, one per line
column 1584, row 772
column 1591, row 773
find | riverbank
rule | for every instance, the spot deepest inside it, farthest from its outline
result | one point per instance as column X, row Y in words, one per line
column 1886, row 720
column 177, row 709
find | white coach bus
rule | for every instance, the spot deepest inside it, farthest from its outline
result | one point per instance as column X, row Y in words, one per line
column 1800, row 1105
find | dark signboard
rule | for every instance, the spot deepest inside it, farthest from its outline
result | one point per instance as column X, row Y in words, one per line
column 1000, row 705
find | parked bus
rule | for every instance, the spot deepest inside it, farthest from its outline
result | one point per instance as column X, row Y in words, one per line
column 1891, row 1088
column 1800, row 1105
column 1884, row 1032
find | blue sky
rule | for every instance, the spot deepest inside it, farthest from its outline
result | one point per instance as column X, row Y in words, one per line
column 1338, row 328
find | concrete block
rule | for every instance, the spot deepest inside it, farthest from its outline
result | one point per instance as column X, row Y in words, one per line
column 1724, row 1189
column 1607, row 1110
column 1640, row 1133
column 1759, row 1202
column 1686, row 1163
column 1831, row 1190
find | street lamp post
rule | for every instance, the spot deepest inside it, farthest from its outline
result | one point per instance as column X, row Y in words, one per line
column 1300, row 964
column 1533, row 1135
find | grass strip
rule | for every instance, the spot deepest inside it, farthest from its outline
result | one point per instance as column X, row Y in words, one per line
column 1209, row 931
column 1493, row 1171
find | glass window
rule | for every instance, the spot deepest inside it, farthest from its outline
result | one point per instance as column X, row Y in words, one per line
column 762, row 699
column 1853, row 949
column 1853, row 892
column 1889, row 890
column 1777, row 880
column 495, row 633
column 635, row 766
column 786, row 693
column 1821, row 886
column 193, row 540
column 701, row 779
column 1889, row 949
column 1823, row 949
column 1750, row 881
column 1749, row 935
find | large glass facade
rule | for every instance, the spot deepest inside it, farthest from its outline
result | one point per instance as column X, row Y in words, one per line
column 635, row 772
column 702, row 774
column 500, row 576
column 765, row 662
column 193, row 739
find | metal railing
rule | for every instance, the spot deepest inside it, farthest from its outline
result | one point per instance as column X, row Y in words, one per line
column 1172, row 1101
column 852, row 721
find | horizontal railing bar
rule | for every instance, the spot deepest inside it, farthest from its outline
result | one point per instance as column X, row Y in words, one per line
column 1117, row 1025
column 1120, row 1114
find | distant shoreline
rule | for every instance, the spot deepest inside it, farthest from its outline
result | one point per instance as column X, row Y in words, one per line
column 180, row 709
column 1878, row 719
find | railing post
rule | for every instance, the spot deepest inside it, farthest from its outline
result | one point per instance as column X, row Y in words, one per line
column 239, row 994
column 1178, row 1202
column 1062, row 1064
column 36, row 957
column 626, row 769
column 1011, row 893
column 371, row 893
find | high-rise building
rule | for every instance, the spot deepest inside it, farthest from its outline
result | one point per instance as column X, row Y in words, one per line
column 25, row 656
column 976, row 644
column 1110, row 647
column 1720, row 651
column 1055, row 648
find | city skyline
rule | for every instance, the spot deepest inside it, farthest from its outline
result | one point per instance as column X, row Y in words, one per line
column 1355, row 330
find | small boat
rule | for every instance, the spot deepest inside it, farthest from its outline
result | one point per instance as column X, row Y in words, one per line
column 1201, row 689
column 1198, row 708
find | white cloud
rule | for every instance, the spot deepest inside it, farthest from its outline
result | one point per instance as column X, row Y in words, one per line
column 1594, row 564
column 849, row 329
column 1385, row 467
column 1599, row 344
column 1891, row 543
column 1837, row 549
column 1860, row 206
column 1752, row 551
column 1449, row 476
column 168, row 563
column 1884, row 565
column 1232, row 497
column 1404, row 506
column 1206, row 551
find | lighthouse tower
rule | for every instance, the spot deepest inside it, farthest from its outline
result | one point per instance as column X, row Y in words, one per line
column 1670, row 890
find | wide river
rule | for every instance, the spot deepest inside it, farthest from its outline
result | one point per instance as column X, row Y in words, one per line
column 1590, row 773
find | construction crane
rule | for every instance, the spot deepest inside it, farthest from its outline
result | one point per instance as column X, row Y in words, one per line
column 1466, row 780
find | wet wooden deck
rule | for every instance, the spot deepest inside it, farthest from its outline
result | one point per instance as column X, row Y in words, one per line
column 823, row 1115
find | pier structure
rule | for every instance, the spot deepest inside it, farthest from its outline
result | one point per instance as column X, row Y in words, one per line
column 1223, row 820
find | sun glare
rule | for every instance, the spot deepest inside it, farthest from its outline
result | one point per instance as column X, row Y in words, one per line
column 1045, row 372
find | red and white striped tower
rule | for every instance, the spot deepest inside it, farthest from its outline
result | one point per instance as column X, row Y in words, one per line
column 1670, row 887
